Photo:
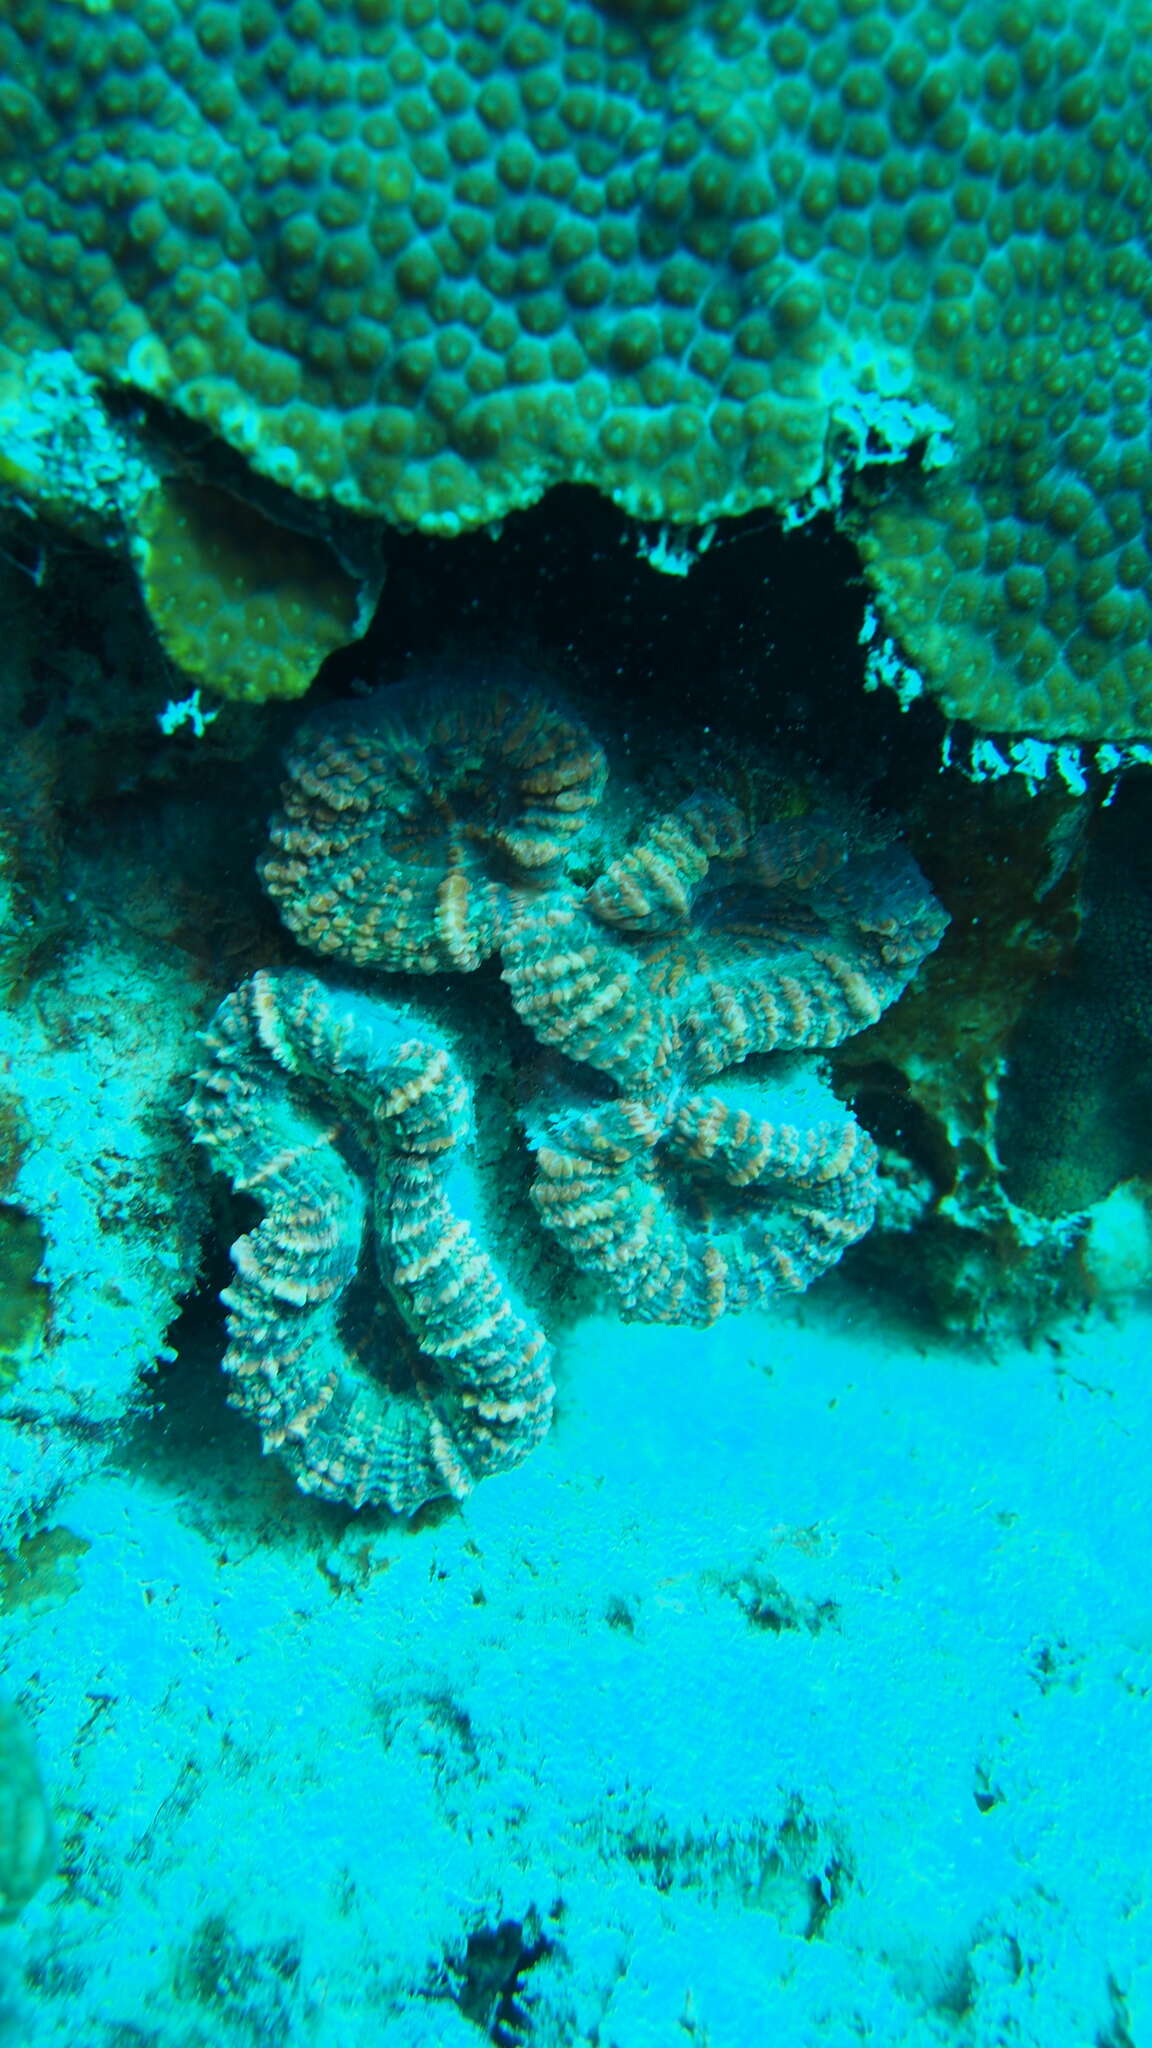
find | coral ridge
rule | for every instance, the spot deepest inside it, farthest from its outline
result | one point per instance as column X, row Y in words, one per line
column 303, row 1084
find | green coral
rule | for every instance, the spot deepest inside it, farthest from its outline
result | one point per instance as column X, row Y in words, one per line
column 24, row 1297
column 42, row 1570
column 237, row 602
column 425, row 259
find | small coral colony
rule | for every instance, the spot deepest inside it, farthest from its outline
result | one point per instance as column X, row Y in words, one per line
column 673, row 979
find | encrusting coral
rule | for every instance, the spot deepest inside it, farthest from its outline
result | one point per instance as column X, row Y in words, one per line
column 237, row 602
column 97, row 1183
column 426, row 834
column 370, row 1334
column 424, row 260
column 240, row 603
column 1074, row 1117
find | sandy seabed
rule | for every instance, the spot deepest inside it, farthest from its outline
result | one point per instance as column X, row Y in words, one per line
column 798, row 1690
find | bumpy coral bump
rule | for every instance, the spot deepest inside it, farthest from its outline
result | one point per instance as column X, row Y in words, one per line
column 425, row 261
column 243, row 606
column 370, row 1334
column 408, row 817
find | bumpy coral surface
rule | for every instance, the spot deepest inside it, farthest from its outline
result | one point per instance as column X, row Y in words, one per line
column 237, row 602
column 433, row 839
column 371, row 1335
column 427, row 259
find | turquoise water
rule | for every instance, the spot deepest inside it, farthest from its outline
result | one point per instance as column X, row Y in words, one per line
column 686, row 1148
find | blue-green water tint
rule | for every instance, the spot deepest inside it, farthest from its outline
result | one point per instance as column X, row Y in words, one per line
column 801, row 1681
column 798, row 1690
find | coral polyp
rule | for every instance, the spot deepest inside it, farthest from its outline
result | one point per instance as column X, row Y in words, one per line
column 713, row 1205
column 705, row 946
column 707, row 943
column 371, row 1335
column 432, row 831
column 410, row 817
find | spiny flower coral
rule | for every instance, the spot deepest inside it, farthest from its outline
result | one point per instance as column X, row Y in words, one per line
column 407, row 821
column 370, row 1334
column 425, row 259
column 709, row 942
column 693, row 1206
column 705, row 944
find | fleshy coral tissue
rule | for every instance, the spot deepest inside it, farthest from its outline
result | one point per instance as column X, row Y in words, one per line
column 677, row 980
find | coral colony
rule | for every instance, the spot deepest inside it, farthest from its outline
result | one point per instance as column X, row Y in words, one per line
column 424, row 260
column 651, row 1125
column 428, row 837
